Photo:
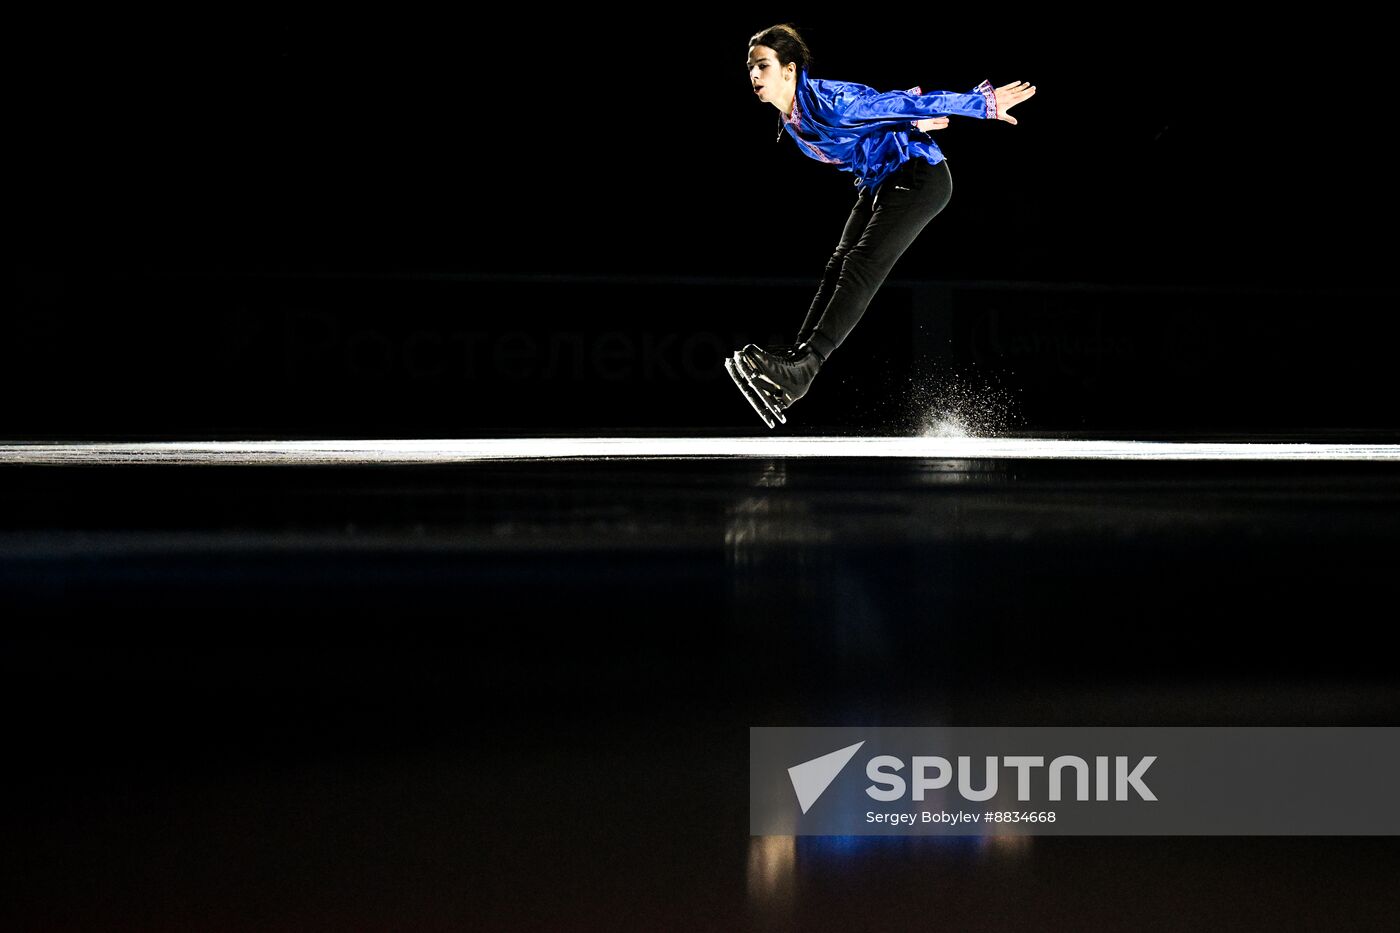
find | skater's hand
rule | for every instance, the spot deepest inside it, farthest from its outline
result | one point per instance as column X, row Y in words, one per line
column 932, row 123
column 1009, row 95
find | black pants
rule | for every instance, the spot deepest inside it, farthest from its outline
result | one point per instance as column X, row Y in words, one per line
column 879, row 230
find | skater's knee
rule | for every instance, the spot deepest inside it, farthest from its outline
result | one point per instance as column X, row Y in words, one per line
column 867, row 264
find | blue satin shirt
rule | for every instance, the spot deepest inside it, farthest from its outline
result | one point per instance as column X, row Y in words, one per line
column 870, row 134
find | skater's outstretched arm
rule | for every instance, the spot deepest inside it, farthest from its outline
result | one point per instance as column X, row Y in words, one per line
column 859, row 103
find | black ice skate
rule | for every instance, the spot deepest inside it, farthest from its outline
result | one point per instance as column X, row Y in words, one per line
column 781, row 377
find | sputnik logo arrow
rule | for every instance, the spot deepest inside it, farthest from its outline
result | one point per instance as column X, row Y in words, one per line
column 811, row 778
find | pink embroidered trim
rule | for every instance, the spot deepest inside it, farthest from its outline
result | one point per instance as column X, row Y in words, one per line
column 796, row 118
column 989, row 93
column 818, row 154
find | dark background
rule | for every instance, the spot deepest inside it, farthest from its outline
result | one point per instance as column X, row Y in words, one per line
column 434, row 226
column 516, row 695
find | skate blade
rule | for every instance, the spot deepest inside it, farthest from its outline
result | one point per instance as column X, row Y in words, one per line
column 750, row 377
column 749, row 394
column 759, row 386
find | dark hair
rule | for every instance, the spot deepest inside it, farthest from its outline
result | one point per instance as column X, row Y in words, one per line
column 785, row 40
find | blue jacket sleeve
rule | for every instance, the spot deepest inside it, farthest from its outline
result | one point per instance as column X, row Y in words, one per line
column 861, row 104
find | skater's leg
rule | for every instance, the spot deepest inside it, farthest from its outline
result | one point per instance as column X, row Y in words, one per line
column 878, row 231
column 850, row 235
column 906, row 202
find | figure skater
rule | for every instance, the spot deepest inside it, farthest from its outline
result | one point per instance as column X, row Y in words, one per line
column 903, row 181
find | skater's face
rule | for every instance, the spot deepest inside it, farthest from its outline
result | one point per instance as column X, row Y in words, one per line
column 766, row 76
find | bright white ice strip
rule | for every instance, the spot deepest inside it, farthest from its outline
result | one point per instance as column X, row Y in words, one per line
column 589, row 448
